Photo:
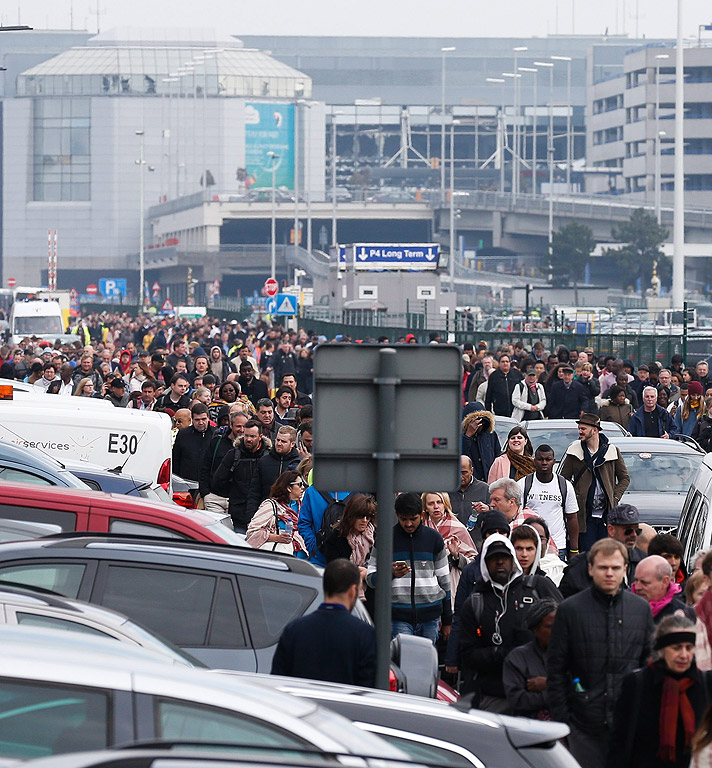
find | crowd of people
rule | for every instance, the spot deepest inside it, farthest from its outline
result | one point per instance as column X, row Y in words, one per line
column 544, row 594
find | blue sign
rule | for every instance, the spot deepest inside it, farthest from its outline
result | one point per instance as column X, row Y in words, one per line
column 112, row 287
column 269, row 128
column 411, row 257
column 286, row 304
column 271, row 305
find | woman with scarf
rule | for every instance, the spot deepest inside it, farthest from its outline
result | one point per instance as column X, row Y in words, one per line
column 274, row 525
column 516, row 462
column 354, row 535
column 438, row 514
column 691, row 410
column 661, row 705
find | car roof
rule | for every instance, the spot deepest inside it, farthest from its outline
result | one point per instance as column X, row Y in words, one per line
column 98, row 545
column 30, row 458
column 606, row 426
column 25, row 492
column 652, row 445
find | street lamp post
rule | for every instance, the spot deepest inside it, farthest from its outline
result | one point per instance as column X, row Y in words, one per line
column 443, row 51
column 569, row 109
column 452, row 204
column 515, row 149
column 141, row 240
column 535, row 71
column 334, row 234
column 273, row 156
column 550, row 132
column 678, row 258
column 517, row 133
column 501, row 129
column 658, row 162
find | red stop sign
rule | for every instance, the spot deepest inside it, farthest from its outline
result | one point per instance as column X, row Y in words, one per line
column 92, row 289
column 11, row 282
column 271, row 286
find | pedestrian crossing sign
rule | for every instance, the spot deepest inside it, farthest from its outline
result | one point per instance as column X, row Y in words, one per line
column 286, row 304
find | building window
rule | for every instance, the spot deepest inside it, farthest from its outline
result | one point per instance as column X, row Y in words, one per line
column 62, row 170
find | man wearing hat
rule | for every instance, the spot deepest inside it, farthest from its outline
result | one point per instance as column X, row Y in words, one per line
column 623, row 522
column 117, row 394
column 568, row 399
column 528, row 398
column 642, row 380
column 599, row 476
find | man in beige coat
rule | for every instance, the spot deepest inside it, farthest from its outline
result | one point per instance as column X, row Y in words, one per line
column 599, row 476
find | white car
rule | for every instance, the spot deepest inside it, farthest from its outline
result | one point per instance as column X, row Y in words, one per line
column 61, row 692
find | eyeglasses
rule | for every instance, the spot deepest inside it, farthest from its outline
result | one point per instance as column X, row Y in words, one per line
column 300, row 483
column 631, row 531
column 365, row 516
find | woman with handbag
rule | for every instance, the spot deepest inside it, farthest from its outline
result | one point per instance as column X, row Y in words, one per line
column 274, row 525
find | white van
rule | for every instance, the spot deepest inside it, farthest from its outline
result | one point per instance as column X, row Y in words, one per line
column 42, row 319
column 20, row 389
column 138, row 442
column 695, row 530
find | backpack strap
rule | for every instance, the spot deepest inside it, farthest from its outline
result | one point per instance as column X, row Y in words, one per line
column 528, row 482
column 328, row 498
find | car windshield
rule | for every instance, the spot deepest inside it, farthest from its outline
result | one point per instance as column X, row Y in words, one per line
column 660, row 472
column 38, row 325
column 558, row 439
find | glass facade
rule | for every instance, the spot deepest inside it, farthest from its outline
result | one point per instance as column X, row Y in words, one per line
column 61, row 157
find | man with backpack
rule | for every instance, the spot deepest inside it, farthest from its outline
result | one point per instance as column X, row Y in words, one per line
column 317, row 510
column 493, row 621
column 239, row 468
column 553, row 498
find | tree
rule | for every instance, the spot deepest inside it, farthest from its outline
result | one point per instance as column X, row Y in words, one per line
column 642, row 237
column 571, row 248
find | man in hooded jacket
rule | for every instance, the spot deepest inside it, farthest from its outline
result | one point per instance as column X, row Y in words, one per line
column 493, row 620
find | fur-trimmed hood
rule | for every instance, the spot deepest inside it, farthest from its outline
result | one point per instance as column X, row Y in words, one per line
column 266, row 443
column 487, row 416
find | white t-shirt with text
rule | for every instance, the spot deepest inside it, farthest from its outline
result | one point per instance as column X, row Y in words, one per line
column 545, row 500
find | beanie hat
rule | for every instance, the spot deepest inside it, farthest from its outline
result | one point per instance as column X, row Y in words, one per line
column 694, row 389
column 494, row 520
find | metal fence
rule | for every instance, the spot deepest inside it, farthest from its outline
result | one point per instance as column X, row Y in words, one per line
column 368, row 324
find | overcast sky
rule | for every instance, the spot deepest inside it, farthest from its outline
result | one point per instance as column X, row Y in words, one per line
column 456, row 18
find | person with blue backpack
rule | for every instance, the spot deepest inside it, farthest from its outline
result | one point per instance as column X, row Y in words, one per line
column 311, row 516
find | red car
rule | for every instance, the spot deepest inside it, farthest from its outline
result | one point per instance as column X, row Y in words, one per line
column 41, row 511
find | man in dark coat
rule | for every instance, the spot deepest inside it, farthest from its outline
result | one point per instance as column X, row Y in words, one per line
column 493, row 621
column 237, row 471
column 250, row 385
column 599, row 636
column 192, row 442
column 280, row 457
column 567, row 399
column 471, row 491
column 622, row 526
column 330, row 644
column 215, row 494
column 500, row 386
column 480, row 442
column 651, row 420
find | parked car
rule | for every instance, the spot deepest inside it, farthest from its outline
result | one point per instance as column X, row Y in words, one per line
column 61, row 692
column 695, row 527
column 451, row 736
column 223, row 605
column 69, row 509
column 560, row 433
column 661, row 473
column 20, row 606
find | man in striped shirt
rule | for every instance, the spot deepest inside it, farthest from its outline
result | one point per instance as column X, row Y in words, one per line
column 421, row 576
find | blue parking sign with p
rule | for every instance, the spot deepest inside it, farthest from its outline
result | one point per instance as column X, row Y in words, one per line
column 112, row 287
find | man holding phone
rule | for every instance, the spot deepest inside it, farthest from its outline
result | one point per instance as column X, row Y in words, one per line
column 420, row 574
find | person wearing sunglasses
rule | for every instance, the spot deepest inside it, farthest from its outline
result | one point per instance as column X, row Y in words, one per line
column 274, row 525
column 623, row 525
column 354, row 535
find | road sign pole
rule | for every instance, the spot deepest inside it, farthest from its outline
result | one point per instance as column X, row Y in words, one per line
column 385, row 458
